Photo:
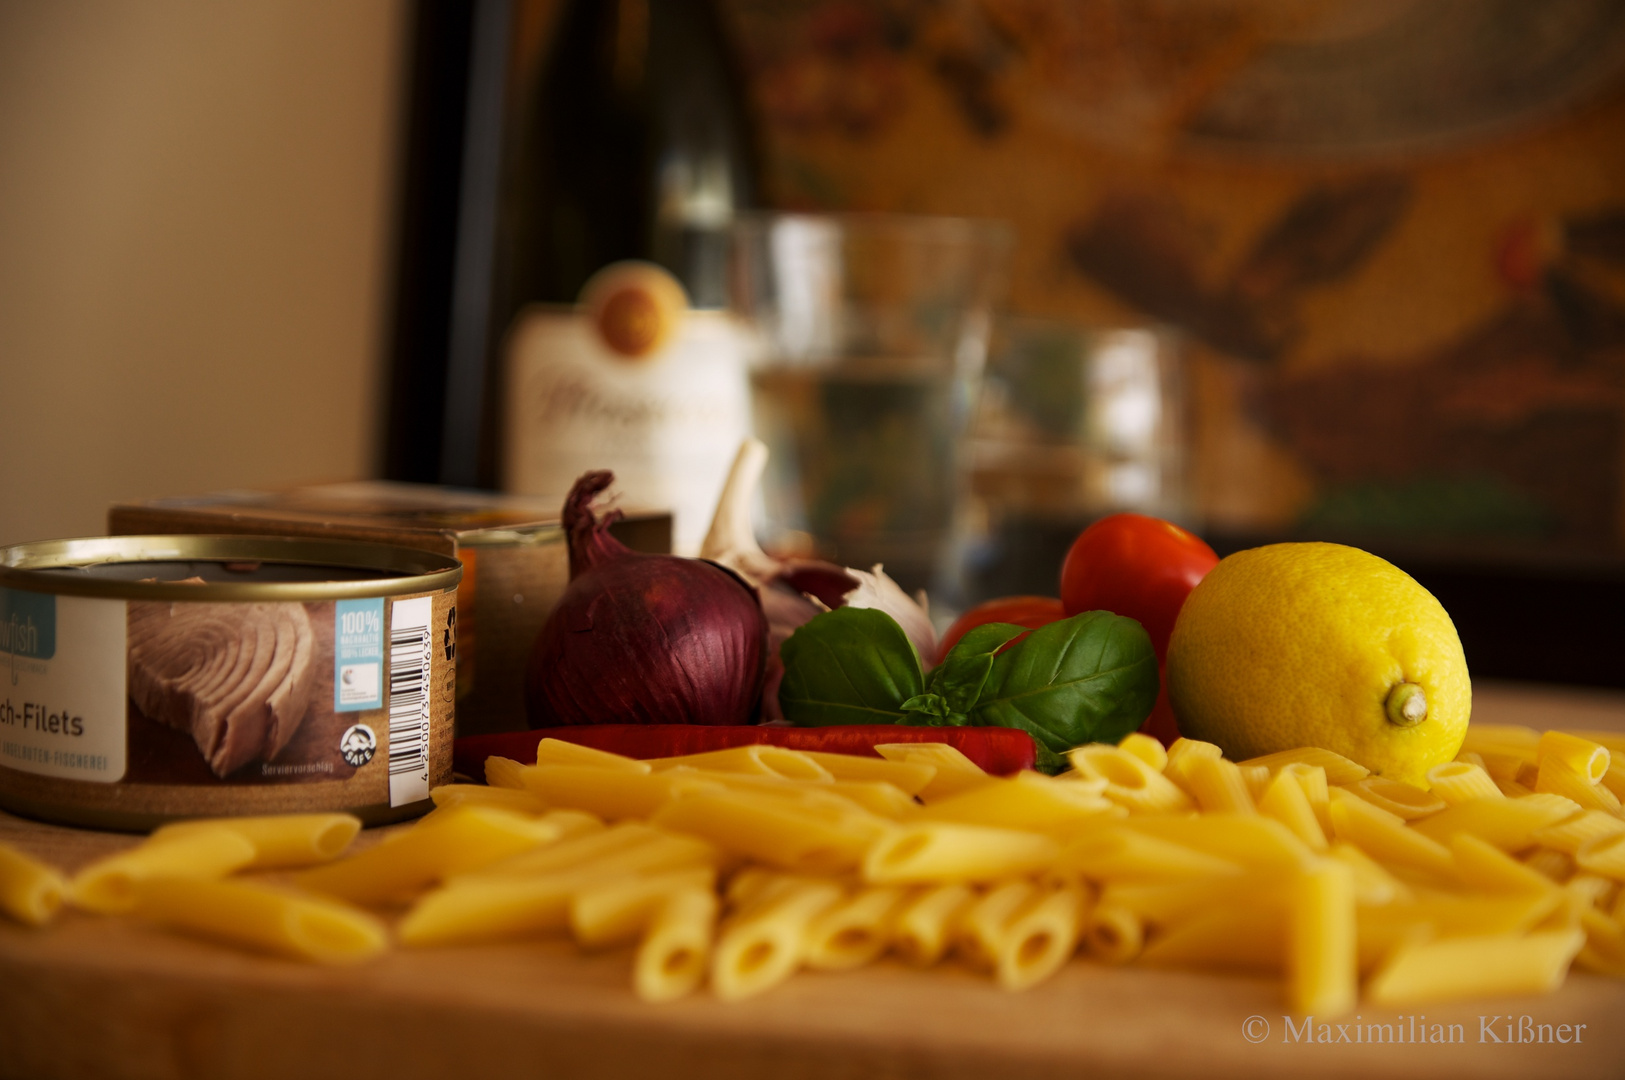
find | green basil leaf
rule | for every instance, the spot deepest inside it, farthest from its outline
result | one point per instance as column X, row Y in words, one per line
column 848, row 666
column 1089, row 678
column 963, row 672
column 931, row 710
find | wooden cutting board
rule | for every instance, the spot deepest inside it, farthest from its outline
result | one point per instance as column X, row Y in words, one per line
column 99, row 997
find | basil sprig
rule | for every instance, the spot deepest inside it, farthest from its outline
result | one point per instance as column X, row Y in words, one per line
column 1089, row 678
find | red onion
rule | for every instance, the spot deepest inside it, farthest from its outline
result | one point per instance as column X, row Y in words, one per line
column 643, row 639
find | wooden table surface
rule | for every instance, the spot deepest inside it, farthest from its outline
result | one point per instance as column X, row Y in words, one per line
column 100, row 997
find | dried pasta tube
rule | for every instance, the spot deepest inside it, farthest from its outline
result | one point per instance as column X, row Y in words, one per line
column 1554, row 864
column 983, row 926
column 1284, row 800
column 955, row 772
column 558, row 752
column 1123, row 853
column 1218, row 786
column 449, row 796
column 1250, row 937
column 1312, row 778
column 569, row 851
column 1405, row 801
column 1614, row 778
column 619, row 909
column 853, row 932
column 1604, row 855
column 1386, row 838
column 757, row 759
column 281, row 841
column 1449, row 969
column 261, row 917
column 1592, row 890
column 1567, row 836
column 1182, row 753
column 773, row 830
column 1028, row 801
column 910, row 777
column 672, row 957
column 612, row 794
column 1587, row 759
column 110, row 885
column 1257, row 778
column 1322, row 961
column 1512, row 789
column 1337, row 768
column 30, row 891
column 1509, row 824
column 504, row 773
column 1248, row 840
column 1147, row 749
column 943, row 851
column 1557, row 777
column 1372, row 883
column 925, row 924
column 1503, row 738
column 452, row 842
column 1113, row 934
column 764, row 946
column 1041, row 939
column 1483, row 866
column 1130, row 781
column 1457, row 782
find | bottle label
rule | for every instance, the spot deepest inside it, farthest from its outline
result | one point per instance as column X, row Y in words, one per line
column 668, row 424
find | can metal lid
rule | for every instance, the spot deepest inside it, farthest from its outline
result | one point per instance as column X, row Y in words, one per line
column 224, row 568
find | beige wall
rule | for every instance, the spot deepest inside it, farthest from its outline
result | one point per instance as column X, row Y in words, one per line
column 194, row 231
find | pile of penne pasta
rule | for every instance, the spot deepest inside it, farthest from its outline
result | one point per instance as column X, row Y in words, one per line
column 739, row 867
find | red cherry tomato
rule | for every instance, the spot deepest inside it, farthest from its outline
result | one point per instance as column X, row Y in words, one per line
column 1028, row 611
column 1142, row 567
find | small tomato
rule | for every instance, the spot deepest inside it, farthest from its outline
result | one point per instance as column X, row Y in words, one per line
column 1029, row 611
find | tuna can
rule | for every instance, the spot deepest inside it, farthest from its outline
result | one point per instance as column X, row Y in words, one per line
column 145, row 679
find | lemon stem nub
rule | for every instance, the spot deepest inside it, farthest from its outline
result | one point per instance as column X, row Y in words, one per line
column 1406, row 706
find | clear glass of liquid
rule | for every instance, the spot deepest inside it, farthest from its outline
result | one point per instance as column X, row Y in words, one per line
column 867, row 336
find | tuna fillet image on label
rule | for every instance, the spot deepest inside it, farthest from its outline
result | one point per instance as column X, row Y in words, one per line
column 236, row 677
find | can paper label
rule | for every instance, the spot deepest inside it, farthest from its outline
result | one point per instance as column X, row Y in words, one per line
column 62, row 698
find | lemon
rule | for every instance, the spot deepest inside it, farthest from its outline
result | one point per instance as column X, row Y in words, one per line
column 1324, row 645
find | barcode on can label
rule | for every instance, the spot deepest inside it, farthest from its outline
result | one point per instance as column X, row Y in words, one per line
column 410, row 649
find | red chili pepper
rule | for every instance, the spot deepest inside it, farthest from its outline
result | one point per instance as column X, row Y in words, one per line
column 998, row 750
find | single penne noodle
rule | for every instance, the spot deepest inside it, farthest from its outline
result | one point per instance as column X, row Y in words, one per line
column 909, row 777
column 1241, row 937
column 1603, row 855
column 1509, row 824
column 983, row 925
column 925, row 923
column 1113, row 935
column 1513, row 737
column 828, row 799
column 1604, row 950
column 612, row 794
column 676, row 947
column 955, row 772
column 1567, row 836
column 504, row 772
column 1512, row 789
column 558, row 752
column 854, row 931
column 1485, row 867
column 1470, row 757
column 1161, row 903
column 570, row 851
column 1593, row 890
column 1284, row 800
column 935, row 852
column 772, row 830
column 1614, row 778
column 1387, row 838
column 1130, row 781
column 765, row 945
column 1528, row 774
column 1123, row 853
column 1218, row 786
column 1457, row 782
column 262, row 917
column 1146, row 748
column 449, row 796
column 1448, row 969
column 1455, row 914
column 1588, row 759
column 1321, row 941
column 110, row 885
column 1557, row 777
column 1181, row 753
column 281, row 841
column 1554, row 864
column 1338, row 769
column 619, row 909
column 1312, row 778
column 660, row 853
column 759, row 759
column 1249, row 840
column 1256, row 777
column 30, row 891
column 1038, row 941
column 1505, row 766
column 876, row 796
column 1614, row 740
column 1028, row 800
column 1405, row 801
column 451, row 842
column 751, row 884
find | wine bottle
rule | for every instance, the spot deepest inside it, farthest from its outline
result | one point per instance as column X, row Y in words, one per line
column 635, row 145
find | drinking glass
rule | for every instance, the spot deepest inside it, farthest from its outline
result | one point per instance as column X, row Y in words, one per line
column 866, row 339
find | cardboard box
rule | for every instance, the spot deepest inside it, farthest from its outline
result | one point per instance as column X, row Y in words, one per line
column 515, row 561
